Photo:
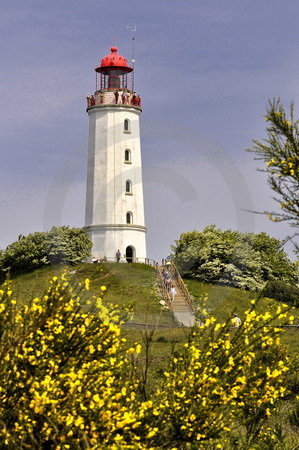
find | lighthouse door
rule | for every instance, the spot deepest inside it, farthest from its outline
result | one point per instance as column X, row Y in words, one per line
column 130, row 254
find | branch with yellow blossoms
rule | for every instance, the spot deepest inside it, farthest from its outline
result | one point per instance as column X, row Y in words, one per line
column 224, row 380
column 280, row 152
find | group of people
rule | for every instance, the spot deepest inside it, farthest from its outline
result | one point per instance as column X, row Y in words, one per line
column 95, row 260
column 168, row 283
column 127, row 98
column 122, row 97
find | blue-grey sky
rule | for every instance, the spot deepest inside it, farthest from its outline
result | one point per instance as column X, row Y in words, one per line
column 205, row 72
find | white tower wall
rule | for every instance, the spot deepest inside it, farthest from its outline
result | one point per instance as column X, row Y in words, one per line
column 107, row 198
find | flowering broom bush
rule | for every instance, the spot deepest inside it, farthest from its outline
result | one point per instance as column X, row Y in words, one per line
column 221, row 380
column 67, row 379
column 61, row 373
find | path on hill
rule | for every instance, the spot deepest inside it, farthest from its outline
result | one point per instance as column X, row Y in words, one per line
column 182, row 306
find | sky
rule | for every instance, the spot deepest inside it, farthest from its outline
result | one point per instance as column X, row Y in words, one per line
column 205, row 72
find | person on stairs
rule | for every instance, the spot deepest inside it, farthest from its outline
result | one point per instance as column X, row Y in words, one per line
column 172, row 292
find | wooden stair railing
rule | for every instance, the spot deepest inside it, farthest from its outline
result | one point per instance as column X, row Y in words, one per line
column 184, row 291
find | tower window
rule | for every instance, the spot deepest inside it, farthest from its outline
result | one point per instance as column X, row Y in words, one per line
column 127, row 155
column 127, row 126
column 129, row 217
column 128, row 187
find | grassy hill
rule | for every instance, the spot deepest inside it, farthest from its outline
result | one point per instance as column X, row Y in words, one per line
column 221, row 301
column 127, row 284
column 136, row 285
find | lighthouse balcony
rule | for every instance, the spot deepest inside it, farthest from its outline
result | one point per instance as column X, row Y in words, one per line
column 114, row 98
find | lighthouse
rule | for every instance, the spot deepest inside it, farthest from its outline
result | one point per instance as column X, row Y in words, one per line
column 114, row 217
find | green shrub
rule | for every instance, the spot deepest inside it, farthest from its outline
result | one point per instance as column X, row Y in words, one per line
column 162, row 339
column 281, row 292
column 232, row 258
column 60, row 245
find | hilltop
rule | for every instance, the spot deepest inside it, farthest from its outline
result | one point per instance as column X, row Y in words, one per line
column 136, row 285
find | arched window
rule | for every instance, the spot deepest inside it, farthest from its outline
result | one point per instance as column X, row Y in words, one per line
column 129, row 217
column 128, row 187
column 127, row 126
column 127, row 155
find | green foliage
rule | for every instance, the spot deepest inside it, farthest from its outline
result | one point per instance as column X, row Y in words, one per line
column 27, row 253
column 67, row 245
column 60, row 245
column 243, row 260
column 281, row 292
column 280, row 152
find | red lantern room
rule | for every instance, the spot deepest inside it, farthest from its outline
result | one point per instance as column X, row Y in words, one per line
column 114, row 73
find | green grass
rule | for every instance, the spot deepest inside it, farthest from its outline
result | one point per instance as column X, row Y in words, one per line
column 127, row 284
column 136, row 285
column 223, row 300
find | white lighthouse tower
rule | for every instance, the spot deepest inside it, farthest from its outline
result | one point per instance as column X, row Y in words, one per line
column 114, row 194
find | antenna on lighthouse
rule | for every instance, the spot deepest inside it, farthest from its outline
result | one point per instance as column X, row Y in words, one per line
column 133, row 29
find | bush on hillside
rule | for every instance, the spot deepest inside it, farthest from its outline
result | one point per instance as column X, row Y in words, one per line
column 232, row 258
column 281, row 292
column 67, row 381
column 60, row 245
column 66, row 245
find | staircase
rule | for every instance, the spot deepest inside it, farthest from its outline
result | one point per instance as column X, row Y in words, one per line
column 182, row 307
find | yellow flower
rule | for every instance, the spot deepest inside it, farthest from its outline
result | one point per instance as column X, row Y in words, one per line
column 138, row 348
column 152, row 433
column 79, row 422
column 241, row 380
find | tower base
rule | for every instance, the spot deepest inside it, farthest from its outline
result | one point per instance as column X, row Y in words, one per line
column 108, row 239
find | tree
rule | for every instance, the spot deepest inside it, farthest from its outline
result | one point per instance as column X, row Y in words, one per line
column 26, row 254
column 66, row 245
column 280, row 152
column 60, row 245
column 243, row 260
